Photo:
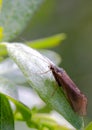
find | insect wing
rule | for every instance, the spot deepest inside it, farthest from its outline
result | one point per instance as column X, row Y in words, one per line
column 77, row 100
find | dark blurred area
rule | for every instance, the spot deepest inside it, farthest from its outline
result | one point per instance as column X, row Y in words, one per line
column 73, row 17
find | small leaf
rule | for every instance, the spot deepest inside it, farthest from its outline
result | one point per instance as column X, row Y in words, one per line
column 47, row 42
column 35, row 67
column 15, row 15
column 6, row 115
column 89, row 126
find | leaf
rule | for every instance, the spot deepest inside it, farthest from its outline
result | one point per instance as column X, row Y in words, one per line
column 35, row 67
column 6, row 115
column 15, row 15
column 47, row 42
column 89, row 126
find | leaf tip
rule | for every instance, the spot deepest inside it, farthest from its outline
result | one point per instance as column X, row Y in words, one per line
column 63, row 36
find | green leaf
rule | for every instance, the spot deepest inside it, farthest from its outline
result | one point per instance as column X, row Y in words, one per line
column 6, row 115
column 36, row 70
column 89, row 126
column 15, row 15
column 47, row 42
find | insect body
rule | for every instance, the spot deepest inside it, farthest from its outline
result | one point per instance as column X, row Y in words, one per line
column 76, row 98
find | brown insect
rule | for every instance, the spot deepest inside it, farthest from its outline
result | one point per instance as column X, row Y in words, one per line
column 76, row 98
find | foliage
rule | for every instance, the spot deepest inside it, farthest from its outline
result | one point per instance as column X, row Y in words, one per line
column 14, row 17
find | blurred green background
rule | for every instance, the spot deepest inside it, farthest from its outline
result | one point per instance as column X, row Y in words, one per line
column 73, row 17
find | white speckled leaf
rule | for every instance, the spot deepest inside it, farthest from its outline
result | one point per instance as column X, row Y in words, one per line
column 34, row 67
